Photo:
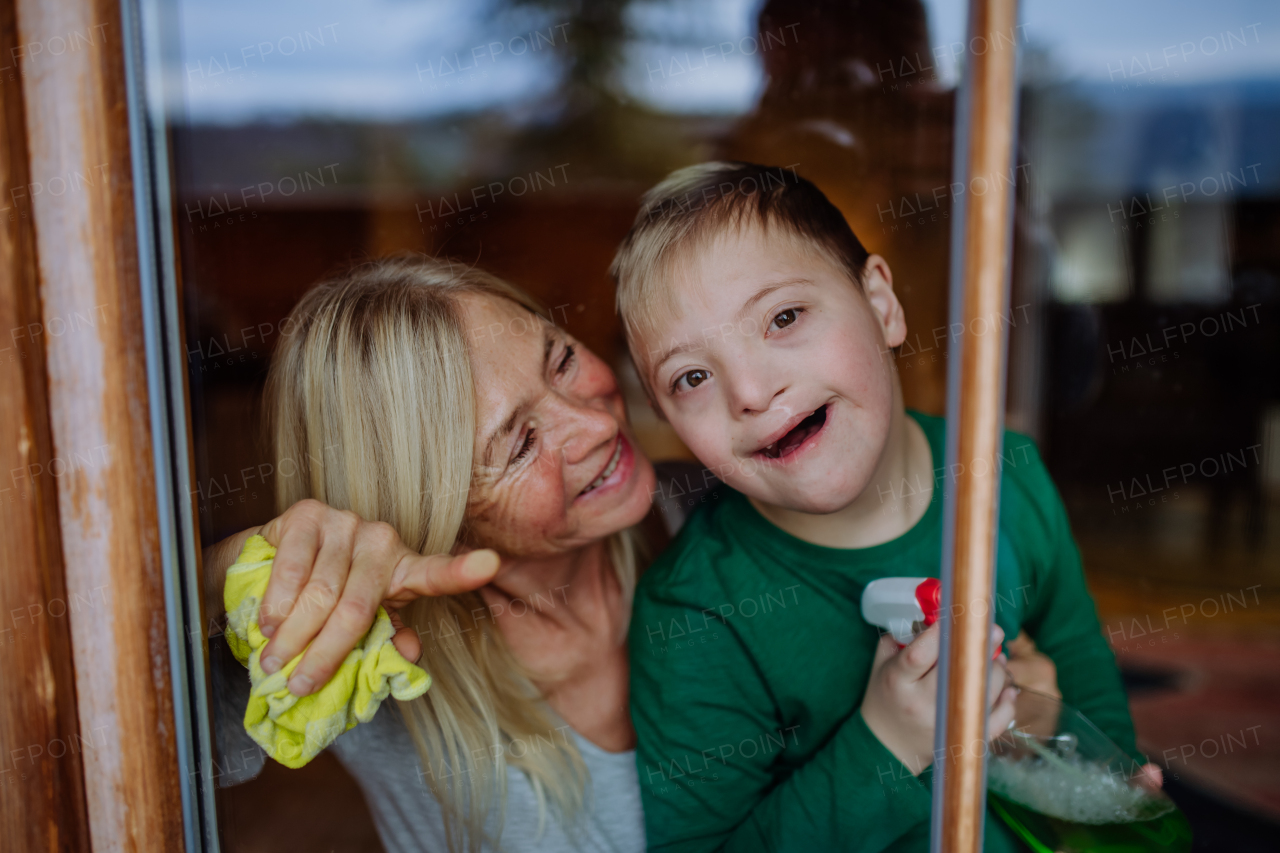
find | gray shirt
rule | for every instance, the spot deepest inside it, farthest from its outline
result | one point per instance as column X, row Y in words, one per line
column 382, row 758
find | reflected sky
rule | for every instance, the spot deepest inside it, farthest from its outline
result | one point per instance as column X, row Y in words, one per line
column 695, row 58
column 390, row 60
column 1092, row 39
column 373, row 60
column 382, row 60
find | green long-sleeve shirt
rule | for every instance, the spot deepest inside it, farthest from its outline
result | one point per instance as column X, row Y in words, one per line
column 749, row 659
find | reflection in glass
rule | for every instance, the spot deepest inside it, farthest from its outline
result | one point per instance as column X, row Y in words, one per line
column 1089, row 266
column 1189, row 255
column 1147, row 242
column 519, row 134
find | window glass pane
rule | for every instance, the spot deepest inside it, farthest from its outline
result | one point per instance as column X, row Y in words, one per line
column 519, row 135
column 1145, row 241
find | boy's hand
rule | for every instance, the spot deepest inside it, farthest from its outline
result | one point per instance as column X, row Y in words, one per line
column 1030, row 667
column 900, row 705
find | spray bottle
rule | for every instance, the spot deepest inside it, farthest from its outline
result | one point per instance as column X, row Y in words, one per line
column 904, row 607
column 1055, row 779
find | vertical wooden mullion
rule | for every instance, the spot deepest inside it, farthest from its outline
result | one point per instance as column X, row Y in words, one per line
column 976, row 405
column 42, row 804
column 78, row 139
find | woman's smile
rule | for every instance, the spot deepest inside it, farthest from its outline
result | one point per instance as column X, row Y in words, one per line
column 617, row 471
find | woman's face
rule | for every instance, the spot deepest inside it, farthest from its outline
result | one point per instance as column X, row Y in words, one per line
column 556, row 465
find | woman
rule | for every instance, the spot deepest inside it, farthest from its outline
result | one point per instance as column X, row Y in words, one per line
column 437, row 412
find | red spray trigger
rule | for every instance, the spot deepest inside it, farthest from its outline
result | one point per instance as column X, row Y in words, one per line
column 929, row 597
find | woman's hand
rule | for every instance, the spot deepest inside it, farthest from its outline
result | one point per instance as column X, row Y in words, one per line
column 332, row 569
column 900, row 705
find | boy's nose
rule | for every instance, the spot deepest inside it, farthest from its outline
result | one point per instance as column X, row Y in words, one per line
column 751, row 398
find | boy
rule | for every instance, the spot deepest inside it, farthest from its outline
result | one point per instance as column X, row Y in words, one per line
column 769, row 716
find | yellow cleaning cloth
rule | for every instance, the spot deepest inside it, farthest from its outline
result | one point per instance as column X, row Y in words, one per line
column 293, row 730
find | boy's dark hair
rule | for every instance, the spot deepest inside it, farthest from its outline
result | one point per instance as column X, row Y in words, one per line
column 691, row 206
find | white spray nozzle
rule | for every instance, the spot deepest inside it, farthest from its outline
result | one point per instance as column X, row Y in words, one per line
column 900, row 605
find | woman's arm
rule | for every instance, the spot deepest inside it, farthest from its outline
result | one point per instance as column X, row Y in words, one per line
column 331, row 571
column 217, row 558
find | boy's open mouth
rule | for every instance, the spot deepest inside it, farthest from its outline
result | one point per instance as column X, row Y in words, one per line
column 797, row 436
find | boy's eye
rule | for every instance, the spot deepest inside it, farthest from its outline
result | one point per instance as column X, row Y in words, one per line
column 690, row 379
column 785, row 318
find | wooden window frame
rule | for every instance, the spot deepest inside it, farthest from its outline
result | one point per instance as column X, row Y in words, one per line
column 981, row 246
column 106, row 701
column 123, row 676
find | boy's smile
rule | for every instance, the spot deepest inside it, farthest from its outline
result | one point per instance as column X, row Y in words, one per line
column 792, row 437
column 773, row 367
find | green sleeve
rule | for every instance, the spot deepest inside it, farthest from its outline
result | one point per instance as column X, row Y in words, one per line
column 710, row 740
column 1064, row 622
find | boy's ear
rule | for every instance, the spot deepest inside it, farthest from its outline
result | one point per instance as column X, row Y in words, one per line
column 877, row 285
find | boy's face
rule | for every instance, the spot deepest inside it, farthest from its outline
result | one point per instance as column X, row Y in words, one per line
column 774, row 369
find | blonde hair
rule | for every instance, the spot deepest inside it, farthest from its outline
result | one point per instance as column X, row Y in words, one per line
column 693, row 205
column 370, row 398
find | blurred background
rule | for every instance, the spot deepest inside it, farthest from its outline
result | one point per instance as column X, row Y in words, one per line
column 519, row 134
